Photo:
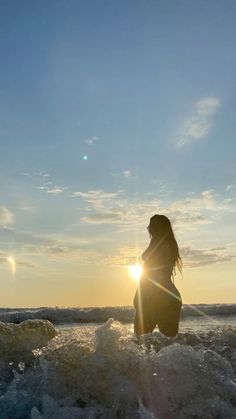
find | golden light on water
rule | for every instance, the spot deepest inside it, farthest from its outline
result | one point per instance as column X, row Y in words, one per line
column 136, row 271
column 12, row 262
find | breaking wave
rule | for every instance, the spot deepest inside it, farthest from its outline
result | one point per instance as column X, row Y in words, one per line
column 105, row 372
column 101, row 314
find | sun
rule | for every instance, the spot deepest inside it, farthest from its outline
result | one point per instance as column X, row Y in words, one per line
column 136, row 271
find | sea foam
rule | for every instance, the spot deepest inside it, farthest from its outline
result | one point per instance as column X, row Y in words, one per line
column 106, row 372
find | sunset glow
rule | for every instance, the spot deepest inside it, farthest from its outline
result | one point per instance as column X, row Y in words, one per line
column 135, row 272
column 109, row 123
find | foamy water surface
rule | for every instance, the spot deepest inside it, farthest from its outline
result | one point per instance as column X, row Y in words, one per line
column 103, row 371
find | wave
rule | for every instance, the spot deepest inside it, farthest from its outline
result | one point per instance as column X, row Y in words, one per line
column 124, row 314
column 104, row 372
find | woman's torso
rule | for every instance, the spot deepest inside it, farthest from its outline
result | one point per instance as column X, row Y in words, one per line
column 158, row 263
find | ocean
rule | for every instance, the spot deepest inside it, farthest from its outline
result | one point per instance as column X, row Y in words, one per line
column 87, row 363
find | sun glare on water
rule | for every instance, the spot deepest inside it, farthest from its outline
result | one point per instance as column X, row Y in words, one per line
column 136, row 271
column 12, row 262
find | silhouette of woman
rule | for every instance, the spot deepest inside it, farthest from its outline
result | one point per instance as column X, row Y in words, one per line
column 157, row 301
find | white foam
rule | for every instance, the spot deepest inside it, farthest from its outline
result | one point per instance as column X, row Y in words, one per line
column 103, row 372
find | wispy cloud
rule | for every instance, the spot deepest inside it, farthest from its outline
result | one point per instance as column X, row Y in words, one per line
column 37, row 175
column 4, row 258
column 92, row 140
column 29, row 244
column 114, row 208
column 192, row 257
column 66, row 250
column 230, row 188
column 210, row 256
column 118, row 256
column 200, row 123
column 6, row 216
column 127, row 173
column 207, row 200
column 54, row 190
column 98, row 199
column 20, row 238
column 45, row 183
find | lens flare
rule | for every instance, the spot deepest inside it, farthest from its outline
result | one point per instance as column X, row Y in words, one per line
column 12, row 262
column 136, row 271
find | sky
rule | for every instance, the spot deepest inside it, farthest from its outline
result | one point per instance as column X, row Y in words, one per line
column 111, row 112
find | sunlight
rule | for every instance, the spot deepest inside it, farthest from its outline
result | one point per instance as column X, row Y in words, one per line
column 135, row 271
column 12, row 262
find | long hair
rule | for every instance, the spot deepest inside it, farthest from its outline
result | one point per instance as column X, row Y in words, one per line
column 160, row 230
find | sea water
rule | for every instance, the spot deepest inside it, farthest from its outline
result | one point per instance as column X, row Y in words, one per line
column 191, row 324
column 101, row 370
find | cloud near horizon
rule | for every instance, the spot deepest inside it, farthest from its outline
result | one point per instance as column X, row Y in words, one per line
column 4, row 258
column 192, row 257
column 200, row 123
column 28, row 245
column 195, row 258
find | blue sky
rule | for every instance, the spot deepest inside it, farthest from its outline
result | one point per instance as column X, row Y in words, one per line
column 145, row 90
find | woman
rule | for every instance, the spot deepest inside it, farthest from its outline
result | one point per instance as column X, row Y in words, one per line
column 157, row 301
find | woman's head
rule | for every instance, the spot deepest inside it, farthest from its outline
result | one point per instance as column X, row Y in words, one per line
column 160, row 230
column 159, row 226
